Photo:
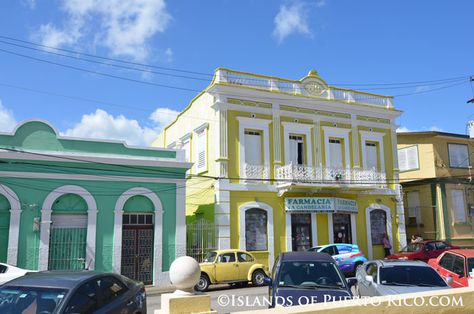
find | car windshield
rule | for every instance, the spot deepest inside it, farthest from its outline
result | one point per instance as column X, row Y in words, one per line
column 408, row 275
column 30, row 299
column 310, row 275
column 210, row 257
column 470, row 264
column 412, row 247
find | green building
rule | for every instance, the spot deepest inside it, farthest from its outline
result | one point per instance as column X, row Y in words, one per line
column 68, row 203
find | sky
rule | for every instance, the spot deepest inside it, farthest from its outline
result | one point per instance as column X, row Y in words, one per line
column 376, row 46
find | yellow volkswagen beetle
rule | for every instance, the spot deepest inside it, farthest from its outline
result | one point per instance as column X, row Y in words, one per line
column 230, row 266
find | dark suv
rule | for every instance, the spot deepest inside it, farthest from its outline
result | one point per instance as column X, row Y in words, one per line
column 300, row 278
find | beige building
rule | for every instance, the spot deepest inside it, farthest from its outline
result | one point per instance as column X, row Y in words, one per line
column 436, row 175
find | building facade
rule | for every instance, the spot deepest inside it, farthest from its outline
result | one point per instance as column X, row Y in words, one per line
column 88, row 204
column 437, row 183
column 299, row 163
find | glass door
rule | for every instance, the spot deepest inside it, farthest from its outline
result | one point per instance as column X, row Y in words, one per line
column 301, row 232
column 342, row 228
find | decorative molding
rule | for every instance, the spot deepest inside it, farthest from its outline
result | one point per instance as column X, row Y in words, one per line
column 45, row 230
column 61, row 176
column 201, row 128
column 369, row 230
column 375, row 137
column 158, row 229
column 242, row 209
column 255, row 124
column 298, row 128
column 14, row 226
column 337, row 133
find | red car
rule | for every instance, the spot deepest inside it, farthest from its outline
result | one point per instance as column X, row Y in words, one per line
column 455, row 266
column 423, row 250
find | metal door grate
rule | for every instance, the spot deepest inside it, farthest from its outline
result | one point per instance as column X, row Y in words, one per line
column 67, row 249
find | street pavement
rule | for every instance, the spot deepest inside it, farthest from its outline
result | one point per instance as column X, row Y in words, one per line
column 225, row 299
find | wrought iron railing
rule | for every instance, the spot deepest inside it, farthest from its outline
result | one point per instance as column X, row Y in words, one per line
column 323, row 175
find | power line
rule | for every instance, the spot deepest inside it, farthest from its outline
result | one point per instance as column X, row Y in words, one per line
column 201, row 73
column 319, row 181
column 404, row 85
column 107, row 58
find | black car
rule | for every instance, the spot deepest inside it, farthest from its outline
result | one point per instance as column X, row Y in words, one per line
column 72, row 292
column 300, row 278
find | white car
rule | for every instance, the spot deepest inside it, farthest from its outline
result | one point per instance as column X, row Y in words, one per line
column 8, row 272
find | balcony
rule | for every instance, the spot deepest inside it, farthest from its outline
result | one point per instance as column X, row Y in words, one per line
column 255, row 173
column 297, row 88
column 329, row 177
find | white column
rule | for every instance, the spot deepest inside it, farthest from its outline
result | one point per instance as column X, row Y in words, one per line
column 44, row 239
column 289, row 235
column 13, row 236
column 117, row 258
column 353, row 229
column 158, row 247
column 91, row 239
column 318, row 159
column 222, row 216
column 181, row 222
column 314, row 229
column 330, row 228
column 355, row 142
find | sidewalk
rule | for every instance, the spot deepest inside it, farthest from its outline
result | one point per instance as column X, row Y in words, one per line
column 152, row 290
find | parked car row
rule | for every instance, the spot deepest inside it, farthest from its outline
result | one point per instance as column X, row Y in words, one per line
column 47, row 292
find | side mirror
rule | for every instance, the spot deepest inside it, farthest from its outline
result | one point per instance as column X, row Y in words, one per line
column 351, row 282
column 267, row 281
column 449, row 280
column 369, row 279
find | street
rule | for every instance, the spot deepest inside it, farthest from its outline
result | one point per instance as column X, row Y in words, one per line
column 237, row 299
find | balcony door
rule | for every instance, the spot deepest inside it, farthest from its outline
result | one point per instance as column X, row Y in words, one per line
column 296, row 150
column 336, row 159
column 253, row 148
column 371, row 155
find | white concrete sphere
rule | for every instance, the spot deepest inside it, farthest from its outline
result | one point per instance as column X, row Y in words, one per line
column 185, row 272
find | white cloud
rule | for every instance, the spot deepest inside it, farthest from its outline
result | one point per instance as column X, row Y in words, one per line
column 320, row 3
column 122, row 26
column 7, row 120
column 163, row 116
column 291, row 19
column 102, row 125
column 433, row 128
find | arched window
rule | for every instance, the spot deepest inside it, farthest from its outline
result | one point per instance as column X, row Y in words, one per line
column 256, row 238
column 378, row 225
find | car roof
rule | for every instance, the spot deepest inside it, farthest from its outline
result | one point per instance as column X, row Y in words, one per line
column 464, row 252
column 305, row 256
column 56, row 279
column 229, row 251
column 400, row 262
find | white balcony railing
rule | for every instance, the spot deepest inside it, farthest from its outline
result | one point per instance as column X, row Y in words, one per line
column 296, row 88
column 329, row 176
column 256, row 173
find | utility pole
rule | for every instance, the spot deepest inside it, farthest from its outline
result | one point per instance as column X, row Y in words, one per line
column 471, row 101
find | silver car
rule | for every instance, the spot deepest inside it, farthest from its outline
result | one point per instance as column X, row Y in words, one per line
column 386, row 277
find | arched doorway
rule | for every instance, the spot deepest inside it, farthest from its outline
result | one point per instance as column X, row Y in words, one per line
column 68, row 233
column 4, row 227
column 378, row 221
column 138, row 239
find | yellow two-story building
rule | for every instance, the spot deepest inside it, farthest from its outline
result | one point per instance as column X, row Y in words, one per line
column 436, row 174
column 298, row 163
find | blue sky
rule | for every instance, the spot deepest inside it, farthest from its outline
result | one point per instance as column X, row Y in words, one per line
column 348, row 42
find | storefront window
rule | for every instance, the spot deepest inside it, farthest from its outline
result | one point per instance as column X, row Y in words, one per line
column 378, row 225
column 301, row 231
column 342, row 228
column 256, row 230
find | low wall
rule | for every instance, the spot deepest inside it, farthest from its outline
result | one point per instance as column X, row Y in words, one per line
column 459, row 300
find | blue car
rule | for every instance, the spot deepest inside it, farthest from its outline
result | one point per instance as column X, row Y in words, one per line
column 300, row 278
column 347, row 256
